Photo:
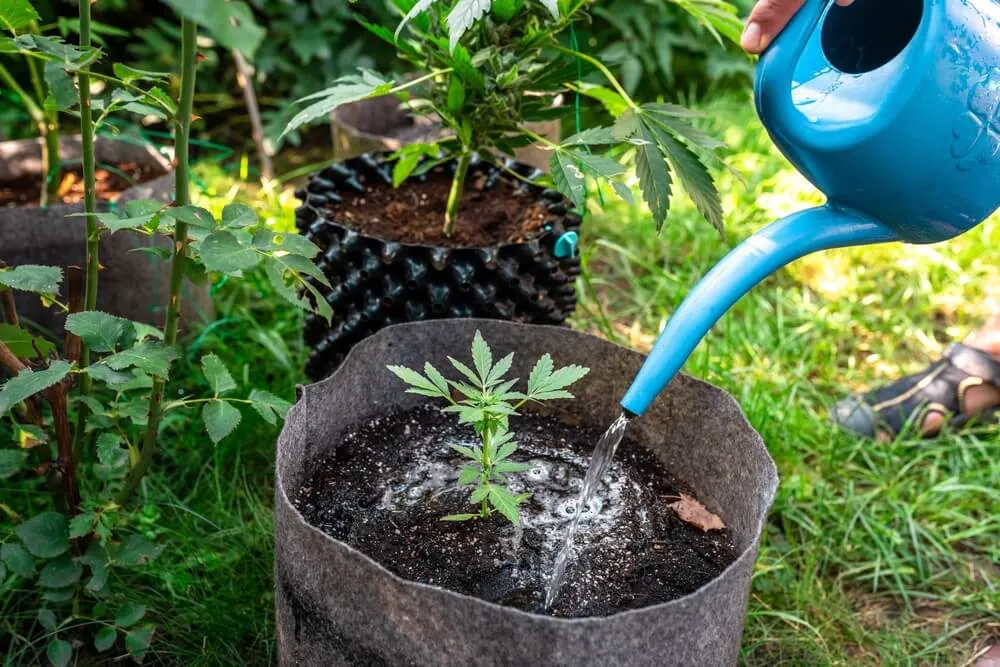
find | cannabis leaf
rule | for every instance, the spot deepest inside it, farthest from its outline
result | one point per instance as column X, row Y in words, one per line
column 463, row 16
column 345, row 90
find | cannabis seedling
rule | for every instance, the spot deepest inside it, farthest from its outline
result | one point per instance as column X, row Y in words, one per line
column 489, row 402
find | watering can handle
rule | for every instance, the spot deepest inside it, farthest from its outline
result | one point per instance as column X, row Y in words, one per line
column 754, row 260
column 778, row 62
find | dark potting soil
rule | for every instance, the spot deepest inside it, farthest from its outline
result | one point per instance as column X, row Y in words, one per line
column 387, row 485
column 110, row 185
column 414, row 213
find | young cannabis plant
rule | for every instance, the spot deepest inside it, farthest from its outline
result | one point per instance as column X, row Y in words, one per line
column 489, row 402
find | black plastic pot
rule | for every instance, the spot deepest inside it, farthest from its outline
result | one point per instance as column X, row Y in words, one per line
column 336, row 606
column 376, row 283
column 133, row 284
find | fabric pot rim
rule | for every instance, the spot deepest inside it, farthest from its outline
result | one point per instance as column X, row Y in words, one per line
column 553, row 201
column 748, row 552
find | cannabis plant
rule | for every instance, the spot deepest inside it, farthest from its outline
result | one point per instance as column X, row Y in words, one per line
column 486, row 400
column 486, row 68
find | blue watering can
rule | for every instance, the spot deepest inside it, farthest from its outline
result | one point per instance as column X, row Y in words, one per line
column 892, row 109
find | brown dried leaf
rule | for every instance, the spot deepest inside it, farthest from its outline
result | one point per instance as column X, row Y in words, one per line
column 691, row 511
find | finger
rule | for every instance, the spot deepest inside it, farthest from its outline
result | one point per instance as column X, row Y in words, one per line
column 768, row 19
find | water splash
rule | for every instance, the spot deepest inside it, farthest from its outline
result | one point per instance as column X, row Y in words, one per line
column 601, row 459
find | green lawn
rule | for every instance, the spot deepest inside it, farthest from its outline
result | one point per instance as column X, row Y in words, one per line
column 875, row 554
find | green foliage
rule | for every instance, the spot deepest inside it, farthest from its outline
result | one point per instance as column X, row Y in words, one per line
column 486, row 84
column 488, row 401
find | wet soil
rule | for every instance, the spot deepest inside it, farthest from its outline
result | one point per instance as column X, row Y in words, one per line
column 414, row 213
column 387, row 486
column 110, row 185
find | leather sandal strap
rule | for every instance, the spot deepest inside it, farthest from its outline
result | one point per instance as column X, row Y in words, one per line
column 974, row 362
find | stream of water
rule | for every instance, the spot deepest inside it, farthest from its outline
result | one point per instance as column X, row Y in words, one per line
column 601, row 459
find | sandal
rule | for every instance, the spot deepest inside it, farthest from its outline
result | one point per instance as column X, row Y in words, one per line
column 940, row 388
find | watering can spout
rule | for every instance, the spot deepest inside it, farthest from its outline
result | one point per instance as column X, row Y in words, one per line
column 749, row 264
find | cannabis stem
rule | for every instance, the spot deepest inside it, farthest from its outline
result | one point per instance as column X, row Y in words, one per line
column 182, row 197
column 457, row 190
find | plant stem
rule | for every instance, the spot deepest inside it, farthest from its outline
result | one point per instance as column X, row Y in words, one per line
column 182, row 197
column 89, row 189
column 603, row 70
column 51, row 163
column 457, row 190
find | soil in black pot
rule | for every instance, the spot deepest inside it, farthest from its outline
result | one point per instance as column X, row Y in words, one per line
column 414, row 213
column 110, row 185
column 387, row 485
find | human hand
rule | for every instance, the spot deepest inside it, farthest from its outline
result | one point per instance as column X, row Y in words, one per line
column 768, row 18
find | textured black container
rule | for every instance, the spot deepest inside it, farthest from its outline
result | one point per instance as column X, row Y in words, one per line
column 335, row 606
column 376, row 283
column 132, row 284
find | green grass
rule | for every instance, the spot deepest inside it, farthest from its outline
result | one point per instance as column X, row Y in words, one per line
column 875, row 553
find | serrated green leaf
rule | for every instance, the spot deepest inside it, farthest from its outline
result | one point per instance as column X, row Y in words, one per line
column 499, row 370
column 130, row 74
column 419, row 384
column 436, row 378
column 615, row 104
column 540, row 373
column 467, row 452
column 61, row 86
column 153, row 358
column 221, row 418
column 505, row 503
column 268, row 406
column 105, row 639
column 626, row 126
column 32, row 278
column 47, row 619
column 59, row 652
column 459, row 517
column 17, row 559
column 569, row 178
column 137, row 550
column 345, row 90
column 101, row 332
column 598, row 165
column 222, row 252
column 81, row 525
column 230, row 22
column 482, row 357
column 45, row 535
column 16, row 14
column 12, row 461
column 137, row 641
column 479, row 494
column 59, row 595
column 27, row 383
column 654, row 177
column 506, row 449
column 108, row 446
column 22, row 344
column 289, row 243
column 469, row 475
column 624, row 192
column 62, row 572
column 695, row 178
column 463, row 16
column 466, row 371
column 102, row 373
column 237, row 216
column 595, row 136
column 218, row 376
column 506, row 467
column 129, row 614
column 195, row 216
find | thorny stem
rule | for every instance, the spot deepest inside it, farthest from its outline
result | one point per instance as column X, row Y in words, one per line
column 89, row 189
column 182, row 197
column 457, row 190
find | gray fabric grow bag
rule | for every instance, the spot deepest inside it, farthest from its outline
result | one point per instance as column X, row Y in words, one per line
column 335, row 606
column 132, row 284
